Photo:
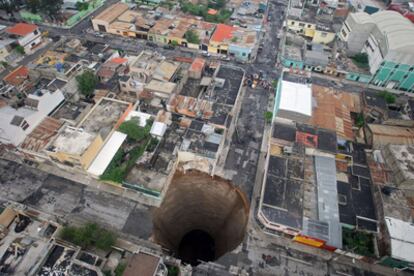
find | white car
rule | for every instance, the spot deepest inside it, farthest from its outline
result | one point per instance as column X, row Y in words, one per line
column 205, row 54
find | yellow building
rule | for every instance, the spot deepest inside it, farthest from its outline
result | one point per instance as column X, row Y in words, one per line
column 311, row 30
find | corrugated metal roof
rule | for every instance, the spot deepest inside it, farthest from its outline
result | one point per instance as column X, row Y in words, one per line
column 328, row 210
column 385, row 134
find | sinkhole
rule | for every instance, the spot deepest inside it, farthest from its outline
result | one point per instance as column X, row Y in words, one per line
column 201, row 217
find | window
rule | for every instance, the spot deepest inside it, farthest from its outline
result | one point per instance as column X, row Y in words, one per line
column 35, row 32
column 344, row 33
column 369, row 46
column 24, row 125
column 309, row 26
column 244, row 54
column 292, row 23
column 396, row 66
column 301, row 24
column 124, row 85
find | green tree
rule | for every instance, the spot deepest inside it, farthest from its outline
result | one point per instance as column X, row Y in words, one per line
column 8, row 5
column 81, row 6
column 33, row 5
column 133, row 130
column 389, row 97
column 120, row 268
column 20, row 49
column 51, row 7
column 268, row 116
column 174, row 43
column 192, row 37
column 87, row 83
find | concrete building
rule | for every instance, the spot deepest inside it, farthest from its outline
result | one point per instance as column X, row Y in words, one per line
column 402, row 239
column 399, row 159
column 387, row 38
column 16, row 124
column 28, row 35
column 79, row 146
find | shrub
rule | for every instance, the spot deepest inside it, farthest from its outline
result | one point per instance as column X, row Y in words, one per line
column 389, row 97
column 268, row 116
column 90, row 234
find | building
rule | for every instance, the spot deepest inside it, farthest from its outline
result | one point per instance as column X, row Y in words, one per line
column 399, row 159
column 145, row 264
column 313, row 23
column 381, row 135
column 5, row 48
column 28, row 35
column 387, row 38
column 79, row 146
column 233, row 41
column 293, row 101
column 17, row 123
column 102, row 21
column 402, row 239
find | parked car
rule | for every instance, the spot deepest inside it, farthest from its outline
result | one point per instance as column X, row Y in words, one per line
column 168, row 47
column 205, row 54
column 99, row 35
column 225, row 58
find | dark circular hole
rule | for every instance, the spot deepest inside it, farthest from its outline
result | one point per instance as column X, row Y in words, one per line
column 196, row 246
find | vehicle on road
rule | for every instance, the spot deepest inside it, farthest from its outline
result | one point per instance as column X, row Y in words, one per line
column 99, row 35
column 205, row 54
column 168, row 47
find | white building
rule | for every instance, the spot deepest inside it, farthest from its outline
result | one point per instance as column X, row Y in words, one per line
column 294, row 101
column 16, row 124
column 402, row 239
column 383, row 36
column 28, row 35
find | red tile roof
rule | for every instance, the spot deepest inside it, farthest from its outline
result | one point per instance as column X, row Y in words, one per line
column 212, row 11
column 222, row 32
column 21, row 29
column 198, row 64
column 119, row 60
column 18, row 76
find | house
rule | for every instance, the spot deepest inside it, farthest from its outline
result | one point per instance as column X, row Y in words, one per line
column 28, row 35
column 387, row 38
column 5, row 48
column 18, row 78
column 234, row 41
column 17, row 123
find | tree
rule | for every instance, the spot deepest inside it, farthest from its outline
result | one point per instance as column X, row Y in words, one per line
column 20, row 49
column 134, row 131
column 51, row 7
column 33, row 5
column 192, row 37
column 87, row 83
column 389, row 97
column 8, row 5
column 81, row 6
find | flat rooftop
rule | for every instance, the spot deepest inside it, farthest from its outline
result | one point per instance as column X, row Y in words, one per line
column 104, row 116
column 72, row 140
column 283, row 191
column 229, row 92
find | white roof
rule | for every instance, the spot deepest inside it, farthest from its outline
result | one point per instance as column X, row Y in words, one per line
column 14, row 134
column 107, row 153
column 143, row 117
column 402, row 239
column 158, row 129
column 296, row 97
